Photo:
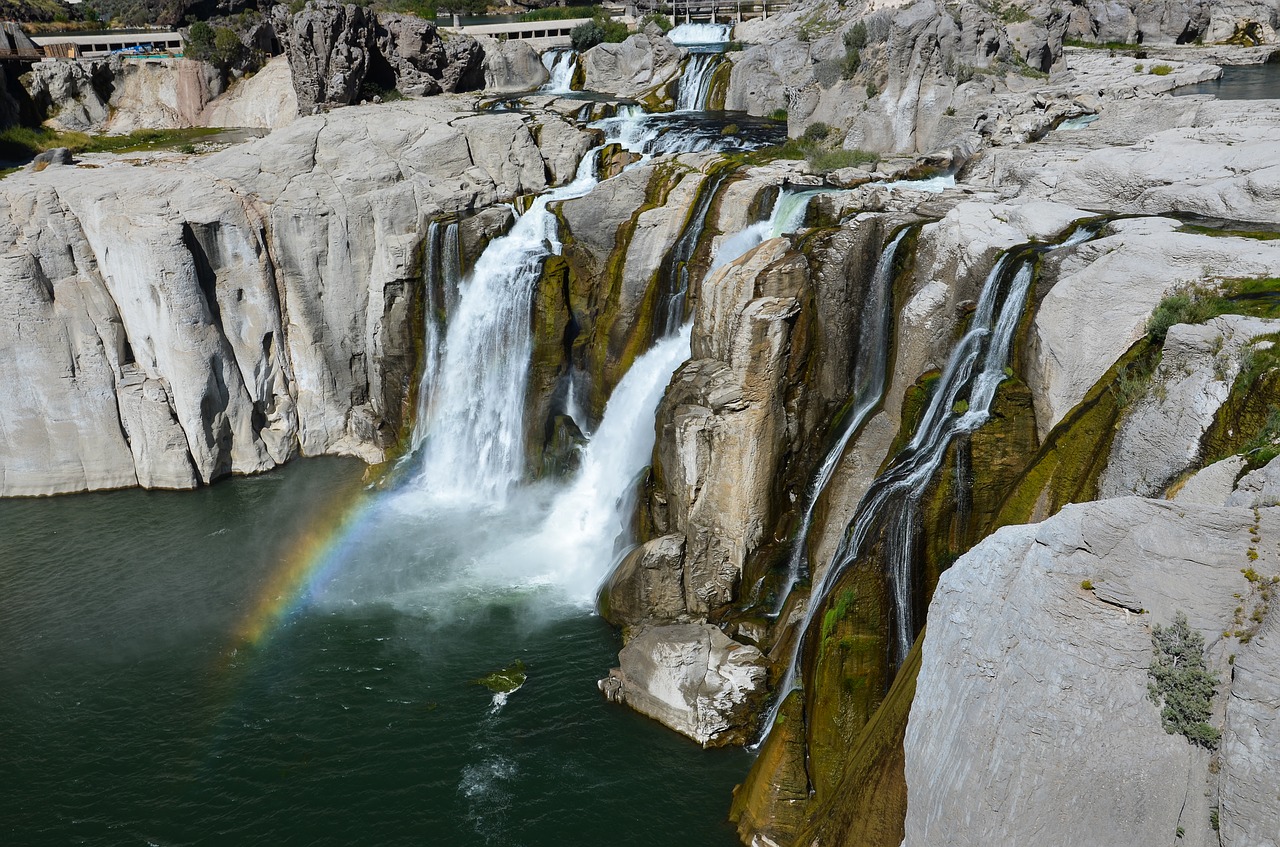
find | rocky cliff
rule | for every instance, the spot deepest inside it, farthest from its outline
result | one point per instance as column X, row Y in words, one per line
column 175, row 320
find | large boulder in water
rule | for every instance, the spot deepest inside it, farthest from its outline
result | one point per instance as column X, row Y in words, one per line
column 692, row 678
column 511, row 65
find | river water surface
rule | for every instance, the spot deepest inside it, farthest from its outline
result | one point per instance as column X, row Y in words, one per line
column 161, row 686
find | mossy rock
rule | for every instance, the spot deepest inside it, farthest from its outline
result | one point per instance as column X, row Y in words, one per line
column 506, row 680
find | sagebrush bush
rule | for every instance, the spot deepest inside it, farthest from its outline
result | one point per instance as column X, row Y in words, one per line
column 1182, row 682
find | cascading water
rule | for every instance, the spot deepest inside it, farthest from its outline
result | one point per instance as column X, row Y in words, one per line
column 441, row 274
column 892, row 502
column 696, row 34
column 871, row 362
column 694, row 87
column 473, row 438
column 786, row 216
column 670, row 313
column 560, row 64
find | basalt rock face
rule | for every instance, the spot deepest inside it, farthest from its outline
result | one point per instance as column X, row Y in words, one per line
column 170, row 324
column 330, row 48
column 632, row 68
column 1173, row 21
column 1032, row 721
column 111, row 95
column 336, row 50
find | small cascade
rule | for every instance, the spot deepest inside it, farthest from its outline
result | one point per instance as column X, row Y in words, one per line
column 560, row 63
column 786, row 216
column 891, row 504
column 693, row 89
column 869, row 371
column 441, row 272
column 700, row 34
column 683, row 132
column 473, row 436
column 670, row 311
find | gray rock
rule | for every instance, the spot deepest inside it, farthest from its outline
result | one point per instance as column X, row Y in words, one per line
column 1258, row 488
column 144, row 315
column 330, row 48
column 511, row 65
column 1212, row 485
column 1160, row 436
column 1250, row 783
column 692, row 678
column 647, row 586
column 1031, row 722
column 633, row 68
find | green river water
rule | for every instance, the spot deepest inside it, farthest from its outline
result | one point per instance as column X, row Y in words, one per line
column 132, row 712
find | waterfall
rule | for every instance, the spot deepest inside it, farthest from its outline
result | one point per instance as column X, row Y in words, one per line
column 670, row 312
column 892, row 502
column 441, row 271
column 560, row 64
column 870, row 364
column 473, row 437
column 786, row 216
column 691, row 33
column 588, row 522
column 694, row 86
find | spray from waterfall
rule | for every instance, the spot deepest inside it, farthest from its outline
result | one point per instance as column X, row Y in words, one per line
column 891, row 504
column 870, row 365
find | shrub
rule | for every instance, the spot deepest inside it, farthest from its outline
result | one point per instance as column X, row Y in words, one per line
column 852, row 61
column 663, row 22
column 1161, row 70
column 220, row 46
column 730, row 129
column 826, row 161
column 587, row 35
column 816, row 131
column 873, row 90
column 1087, row 585
column 856, row 36
column 778, row 115
column 1188, row 306
column 1182, row 682
column 1137, row 69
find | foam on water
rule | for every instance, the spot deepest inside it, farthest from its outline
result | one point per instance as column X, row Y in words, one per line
column 693, row 34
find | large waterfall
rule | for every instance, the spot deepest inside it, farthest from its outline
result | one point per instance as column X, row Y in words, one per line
column 473, row 438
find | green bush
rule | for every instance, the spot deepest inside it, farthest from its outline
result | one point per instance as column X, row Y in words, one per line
column 1189, row 306
column 856, row 36
column 852, row 61
column 826, row 161
column 1161, row 70
column 587, row 35
column 663, row 22
column 873, row 90
column 730, row 129
column 560, row 13
column 219, row 46
column 1182, row 682
column 778, row 115
column 1137, row 69
column 816, row 131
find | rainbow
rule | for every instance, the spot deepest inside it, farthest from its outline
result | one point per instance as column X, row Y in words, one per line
column 313, row 555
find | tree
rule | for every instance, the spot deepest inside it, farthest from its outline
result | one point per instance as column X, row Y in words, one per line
column 1182, row 682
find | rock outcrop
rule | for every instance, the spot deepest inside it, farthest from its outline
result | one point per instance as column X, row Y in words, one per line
column 693, row 678
column 170, row 324
column 1032, row 721
column 1173, row 21
column 632, row 68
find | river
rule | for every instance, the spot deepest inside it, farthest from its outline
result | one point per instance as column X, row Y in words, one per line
column 162, row 685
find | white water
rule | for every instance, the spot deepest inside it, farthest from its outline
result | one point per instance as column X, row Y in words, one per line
column 785, row 218
column 932, row 185
column 691, row 33
column 871, row 362
column 694, row 88
column 473, row 437
column 1078, row 122
column 560, row 64
column 441, row 272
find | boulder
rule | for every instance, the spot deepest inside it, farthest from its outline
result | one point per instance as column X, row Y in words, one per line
column 331, row 48
column 647, row 585
column 511, row 66
column 692, row 678
column 633, row 68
